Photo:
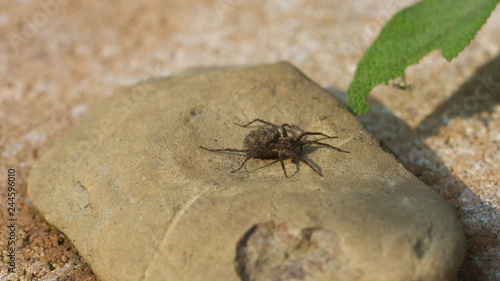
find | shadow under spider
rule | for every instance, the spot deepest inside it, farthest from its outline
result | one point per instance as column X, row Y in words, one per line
column 267, row 142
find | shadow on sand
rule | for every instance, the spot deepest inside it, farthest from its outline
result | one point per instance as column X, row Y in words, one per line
column 476, row 97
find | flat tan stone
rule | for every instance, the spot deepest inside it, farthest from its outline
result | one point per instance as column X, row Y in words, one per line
column 141, row 201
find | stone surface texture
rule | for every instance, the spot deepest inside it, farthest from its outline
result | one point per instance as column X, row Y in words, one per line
column 141, row 201
column 59, row 58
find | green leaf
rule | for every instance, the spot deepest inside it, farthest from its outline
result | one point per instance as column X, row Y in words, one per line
column 412, row 33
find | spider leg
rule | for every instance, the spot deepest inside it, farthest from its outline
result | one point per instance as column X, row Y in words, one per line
column 242, row 164
column 313, row 133
column 323, row 144
column 261, row 121
column 295, row 127
column 280, row 157
column 256, row 120
column 225, row 149
column 285, row 134
column 307, row 163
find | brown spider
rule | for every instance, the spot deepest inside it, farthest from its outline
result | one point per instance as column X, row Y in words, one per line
column 266, row 142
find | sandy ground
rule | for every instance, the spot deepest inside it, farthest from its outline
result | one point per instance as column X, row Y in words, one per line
column 58, row 58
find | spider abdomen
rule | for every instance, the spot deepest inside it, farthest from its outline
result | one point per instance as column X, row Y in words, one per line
column 261, row 143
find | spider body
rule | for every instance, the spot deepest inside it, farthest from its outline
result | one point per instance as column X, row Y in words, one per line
column 267, row 142
column 264, row 143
